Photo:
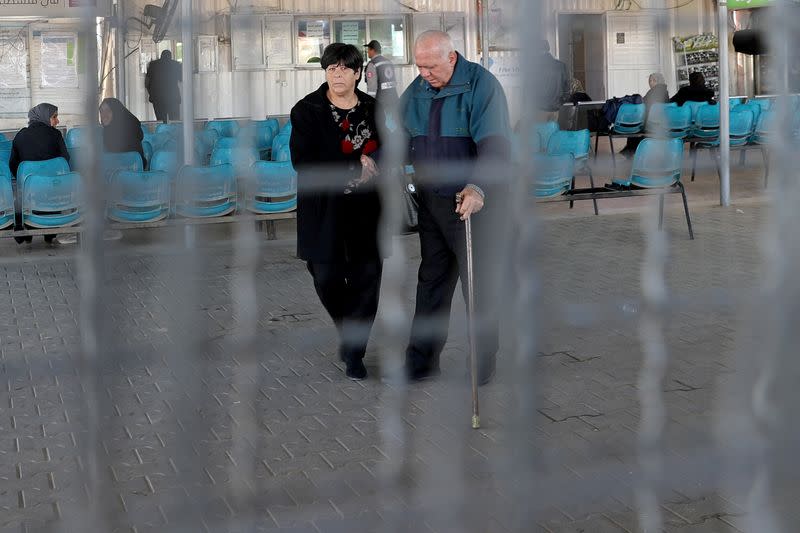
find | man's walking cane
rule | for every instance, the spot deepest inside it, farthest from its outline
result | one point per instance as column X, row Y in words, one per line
column 473, row 359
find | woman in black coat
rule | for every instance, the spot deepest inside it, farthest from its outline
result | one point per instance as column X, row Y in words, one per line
column 122, row 131
column 39, row 141
column 696, row 91
column 333, row 138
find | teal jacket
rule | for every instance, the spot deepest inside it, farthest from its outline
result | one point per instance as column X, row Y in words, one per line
column 467, row 120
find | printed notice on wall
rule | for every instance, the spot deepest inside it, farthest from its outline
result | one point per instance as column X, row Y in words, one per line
column 59, row 60
column 350, row 33
column 278, row 41
column 315, row 29
column 13, row 59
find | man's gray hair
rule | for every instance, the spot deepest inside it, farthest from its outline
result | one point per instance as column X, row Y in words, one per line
column 435, row 39
column 658, row 78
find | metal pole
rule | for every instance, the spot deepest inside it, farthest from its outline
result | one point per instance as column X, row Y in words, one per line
column 724, row 109
column 119, row 53
column 187, row 102
column 485, row 33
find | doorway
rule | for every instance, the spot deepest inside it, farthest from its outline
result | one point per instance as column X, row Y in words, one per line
column 582, row 46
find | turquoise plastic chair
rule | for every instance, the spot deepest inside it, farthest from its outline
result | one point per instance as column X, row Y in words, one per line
column 173, row 129
column 226, row 142
column 136, row 196
column 670, row 121
column 742, row 127
column 766, row 123
column 272, row 188
column 283, row 154
column 205, row 192
column 204, row 141
column 164, row 161
column 225, row 128
column 6, row 198
column 694, row 108
column 755, row 109
column 76, row 137
column 577, row 143
column 287, row 128
column 553, row 174
column 280, row 142
column 51, row 193
column 241, row 158
column 764, row 103
column 264, row 132
column 111, row 162
column 630, row 119
column 657, row 163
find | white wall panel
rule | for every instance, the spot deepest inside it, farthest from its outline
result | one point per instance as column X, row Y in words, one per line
column 258, row 93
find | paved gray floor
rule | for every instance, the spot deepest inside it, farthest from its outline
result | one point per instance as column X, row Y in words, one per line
column 189, row 423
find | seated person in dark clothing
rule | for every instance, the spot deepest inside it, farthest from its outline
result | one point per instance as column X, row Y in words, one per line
column 696, row 91
column 656, row 95
column 40, row 141
column 122, row 131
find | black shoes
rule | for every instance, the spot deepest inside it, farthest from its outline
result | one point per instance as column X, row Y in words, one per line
column 355, row 370
column 20, row 240
column 422, row 373
column 49, row 239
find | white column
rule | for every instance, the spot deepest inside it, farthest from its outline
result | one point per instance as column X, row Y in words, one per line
column 724, row 109
column 187, row 102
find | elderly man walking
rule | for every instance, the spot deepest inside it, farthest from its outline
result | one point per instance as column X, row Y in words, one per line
column 456, row 117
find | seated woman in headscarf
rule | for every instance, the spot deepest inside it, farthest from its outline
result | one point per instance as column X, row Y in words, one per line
column 122, row 131
column 39, row 141
column 656, row 95
column 696, row 91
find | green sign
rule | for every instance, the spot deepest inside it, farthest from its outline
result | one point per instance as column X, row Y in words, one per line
column 746, row 4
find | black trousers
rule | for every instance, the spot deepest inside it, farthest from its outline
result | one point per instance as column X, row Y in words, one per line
column 349, row 292
column 166, row 111
column 444, row 260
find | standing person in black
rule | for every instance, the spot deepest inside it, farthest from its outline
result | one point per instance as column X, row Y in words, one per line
column 656, row 95
column 696, row 91
column 554, row 80
column 161, row 81
column 333, row 137
column 122, row 131
column 40, row 141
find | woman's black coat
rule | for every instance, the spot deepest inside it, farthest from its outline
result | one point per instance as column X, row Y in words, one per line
column 332, row 227
column 37, row 142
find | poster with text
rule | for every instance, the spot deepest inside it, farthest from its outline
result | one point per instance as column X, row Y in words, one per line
column 59, row 60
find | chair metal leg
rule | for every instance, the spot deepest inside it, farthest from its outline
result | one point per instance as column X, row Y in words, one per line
column 742, row 157
column 660, row 212
column 591, row 183
column 596, row 144
column 572, row 186
column 693, row 152
column 765, row 155
column 686, row 211
column 613, row 154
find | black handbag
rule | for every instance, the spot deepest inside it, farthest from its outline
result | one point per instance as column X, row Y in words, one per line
column 410, row 203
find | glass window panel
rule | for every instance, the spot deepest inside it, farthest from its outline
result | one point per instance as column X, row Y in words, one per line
column 350, row 32
column 313, row 35
column 390, row 32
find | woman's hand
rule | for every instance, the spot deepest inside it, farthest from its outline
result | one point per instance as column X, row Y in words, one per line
column 369, row 169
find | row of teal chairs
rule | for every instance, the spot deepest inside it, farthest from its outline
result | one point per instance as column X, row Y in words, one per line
column 50, row 192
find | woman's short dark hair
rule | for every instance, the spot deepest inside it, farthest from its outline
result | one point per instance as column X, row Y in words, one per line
column 696, row 79
column 345, row 54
